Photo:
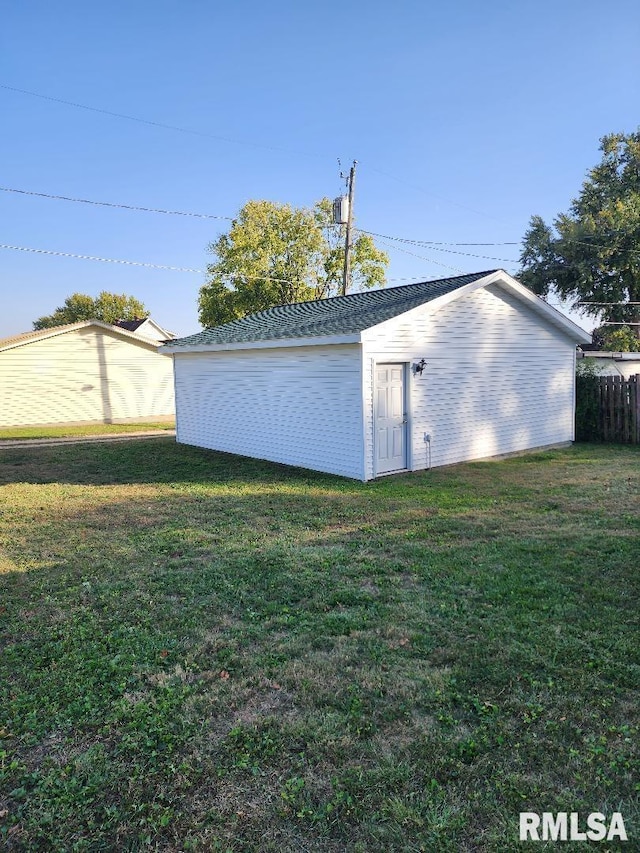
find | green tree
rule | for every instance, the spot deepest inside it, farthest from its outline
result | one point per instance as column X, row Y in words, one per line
column 592, row 253
column 616, row 339
column 275, row 254
column 108, row 307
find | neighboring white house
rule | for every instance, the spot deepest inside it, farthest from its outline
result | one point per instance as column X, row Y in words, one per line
column 86, row 371
column 625, row 364
column 147, row 328
column 383, row 381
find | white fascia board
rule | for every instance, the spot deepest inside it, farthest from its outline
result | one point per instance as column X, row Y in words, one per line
column 281, row 343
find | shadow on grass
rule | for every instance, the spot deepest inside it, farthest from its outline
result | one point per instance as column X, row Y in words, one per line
column 163, row 461
column 156, row 461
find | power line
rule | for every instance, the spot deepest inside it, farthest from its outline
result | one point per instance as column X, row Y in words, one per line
column 138, row 263
column 192, row 132
column 420, row 257
column 436, row 247
column 427, row 243
column 412, row 279
column 113, row 204
column 430, row 243
column 434, row 244
column 445, row 243
column 219, row 216
column 230, row 276
column 93, row 258
column 382, row 237
column 231, row 140
column 155, row 123
column 600, row 245
column 455, row 269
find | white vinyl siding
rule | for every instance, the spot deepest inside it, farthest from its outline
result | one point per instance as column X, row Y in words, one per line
column 84, row 374
column 295, row 405
column 499, row 378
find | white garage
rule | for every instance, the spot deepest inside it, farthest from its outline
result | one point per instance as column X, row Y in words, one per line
column 83, row 372
column 372, row 383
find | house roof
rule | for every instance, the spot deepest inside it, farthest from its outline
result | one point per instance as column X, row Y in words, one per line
column 41, row 334
column 131, row 325
column 340, row 315
column 344, row 318
column 137, row 324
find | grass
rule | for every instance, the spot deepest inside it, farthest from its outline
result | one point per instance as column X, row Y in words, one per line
column 202, row 652
column 79, row 430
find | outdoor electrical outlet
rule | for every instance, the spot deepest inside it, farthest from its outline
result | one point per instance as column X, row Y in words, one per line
column 427, row 437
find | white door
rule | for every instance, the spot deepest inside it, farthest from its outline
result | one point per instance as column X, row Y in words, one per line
column 390, row 419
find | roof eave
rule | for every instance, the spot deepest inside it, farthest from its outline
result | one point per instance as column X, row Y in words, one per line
column 53, row 331
column 323, row 340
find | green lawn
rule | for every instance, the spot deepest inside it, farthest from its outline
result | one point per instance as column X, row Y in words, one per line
column 202, row 652
column 80, row 430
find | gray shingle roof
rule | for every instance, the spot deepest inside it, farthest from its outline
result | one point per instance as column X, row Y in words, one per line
column 341, row 315
column 131, row 325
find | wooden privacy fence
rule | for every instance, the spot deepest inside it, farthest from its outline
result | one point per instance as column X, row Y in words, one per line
column 608, row 409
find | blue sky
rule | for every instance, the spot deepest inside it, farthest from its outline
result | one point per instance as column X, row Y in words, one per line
column 466, row 118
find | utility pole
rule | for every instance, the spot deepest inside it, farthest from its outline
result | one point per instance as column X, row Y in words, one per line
column 347, row 239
